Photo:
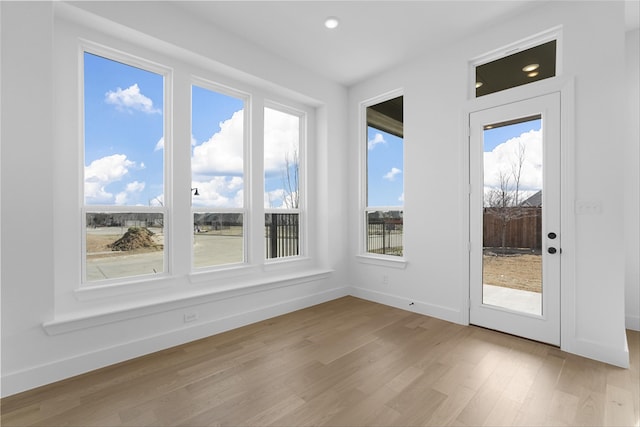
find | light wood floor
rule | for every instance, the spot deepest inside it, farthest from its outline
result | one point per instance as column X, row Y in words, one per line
column 345, row 362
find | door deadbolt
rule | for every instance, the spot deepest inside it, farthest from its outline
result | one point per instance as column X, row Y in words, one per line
column 552, row 250
column 552, row 235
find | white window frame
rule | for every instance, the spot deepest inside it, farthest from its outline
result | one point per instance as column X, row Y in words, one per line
column 246, row 174
column 167, row 105
column 551, row 34
column 363, row 255
column 179, row 278
column 302, row 182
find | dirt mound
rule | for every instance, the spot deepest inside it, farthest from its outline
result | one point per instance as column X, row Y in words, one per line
column 135, row 238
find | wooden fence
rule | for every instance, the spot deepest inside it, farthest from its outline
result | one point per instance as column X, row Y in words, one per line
column 523, row 227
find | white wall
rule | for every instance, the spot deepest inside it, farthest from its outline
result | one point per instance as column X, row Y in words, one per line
column 435, row 277
column 632, row 182
column 436, row 101
column 84, row 334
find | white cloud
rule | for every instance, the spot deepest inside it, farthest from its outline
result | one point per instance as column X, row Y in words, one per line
column 219, row 191
column 505, row 155
column 104, row 171
column 279, row 199
column 134, row 187
column 401, row 198
column 157, row 201
column 274, row 199
column 121, row 198
column 281, row 137
column 222, row 153
column 108, row 169
column 377, row 139
column 391, row 175
column 131, row 99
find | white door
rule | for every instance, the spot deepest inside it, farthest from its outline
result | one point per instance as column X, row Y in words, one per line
column 515, row 218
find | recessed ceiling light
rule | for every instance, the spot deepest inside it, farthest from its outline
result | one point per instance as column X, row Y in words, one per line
column 331, row 22
column 533, row 74
column 478, row 84
column 530, row 67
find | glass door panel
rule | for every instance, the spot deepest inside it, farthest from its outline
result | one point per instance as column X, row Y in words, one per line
column 512, row 214
column 514, row 258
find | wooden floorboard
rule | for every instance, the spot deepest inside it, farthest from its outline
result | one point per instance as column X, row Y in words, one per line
column 348, row 362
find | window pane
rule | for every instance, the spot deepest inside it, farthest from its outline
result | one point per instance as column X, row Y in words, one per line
column 281, row 160
column 385, row 153
column 123, row 244
column 527, row 66
column 123, row 134
column 512, row 214
column 385, row 232
column 217, row 239
column 217, row 138
column 281, row 234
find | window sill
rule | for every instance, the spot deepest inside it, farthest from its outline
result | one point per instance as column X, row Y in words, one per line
column 106, row 290
column 278, row 264
column 89, row 318
column 221, row 273
column 383, row 261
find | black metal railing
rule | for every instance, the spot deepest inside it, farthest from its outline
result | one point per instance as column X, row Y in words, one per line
column 282, row 234
column 385, row 236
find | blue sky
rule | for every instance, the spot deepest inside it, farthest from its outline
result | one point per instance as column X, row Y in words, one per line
column 123, row 124
column 498, row 135
column 217, row 132
column 124, row 144
column 385, row 169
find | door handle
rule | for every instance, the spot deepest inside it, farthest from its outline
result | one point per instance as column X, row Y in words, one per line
column 552, row 250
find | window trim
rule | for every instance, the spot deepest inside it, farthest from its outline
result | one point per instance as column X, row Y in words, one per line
column 112, row 54
column 246, row 210
column 551, row 34
column 303, row 137
column 179, row 279
column 364, row 208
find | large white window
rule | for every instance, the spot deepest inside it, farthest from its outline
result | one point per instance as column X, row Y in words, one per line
column 124, row 212
column 283, row 131
column 384, row 192
column 140, row 218
column 217, row 177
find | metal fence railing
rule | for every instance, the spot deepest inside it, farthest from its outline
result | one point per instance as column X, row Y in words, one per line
column 385, row 236
column 282, row 234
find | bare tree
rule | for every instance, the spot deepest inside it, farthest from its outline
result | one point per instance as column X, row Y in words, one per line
column 499, row 202
column 516, row 170
column 291, row 180
column 504, row 201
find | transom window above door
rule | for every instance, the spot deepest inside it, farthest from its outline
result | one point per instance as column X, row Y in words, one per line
column 520, row 68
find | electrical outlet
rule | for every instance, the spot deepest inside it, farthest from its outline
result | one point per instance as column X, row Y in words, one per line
column 190, row 317
column 385, row 279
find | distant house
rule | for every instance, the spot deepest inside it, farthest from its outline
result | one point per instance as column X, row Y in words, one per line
column 535, row 201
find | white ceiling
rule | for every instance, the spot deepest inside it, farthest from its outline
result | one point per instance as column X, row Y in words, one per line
column 372, row 35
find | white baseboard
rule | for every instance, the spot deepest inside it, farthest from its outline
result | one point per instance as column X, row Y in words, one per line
column 632, row 322
column 16, row 382
column 596, row 351
column 440, row 312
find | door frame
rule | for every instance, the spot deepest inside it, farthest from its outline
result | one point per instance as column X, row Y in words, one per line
column 565, row 85
column 545, row 326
